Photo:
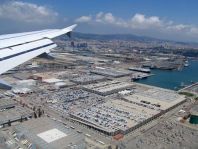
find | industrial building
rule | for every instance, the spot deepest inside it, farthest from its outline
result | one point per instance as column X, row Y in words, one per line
column 5, row 85
column 52, row 80
column 65, row 83
column 22, row 90
column 194, row 114
column 87, row 79
column 24, row 86
column 193, row 88
column 42, row 133
column 7, row 103
column 57, row 83
column 110, row 72
column 45, row 133
column 26, row 83
column 107, row 87
column 154, row 97
column 13, row 114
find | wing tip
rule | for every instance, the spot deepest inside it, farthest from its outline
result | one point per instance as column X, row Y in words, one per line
column 70, row 28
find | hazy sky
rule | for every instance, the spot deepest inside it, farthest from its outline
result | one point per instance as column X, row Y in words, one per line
column 167, row 19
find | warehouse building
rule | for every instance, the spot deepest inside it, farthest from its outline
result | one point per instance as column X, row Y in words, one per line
column 154, row 97
column 45, row 133
column 107, row 87
column 110, row 72
column 11, row 112
column 87, row 79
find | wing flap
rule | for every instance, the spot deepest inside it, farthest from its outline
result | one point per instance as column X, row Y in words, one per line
column 12, row 57
column 24, row 47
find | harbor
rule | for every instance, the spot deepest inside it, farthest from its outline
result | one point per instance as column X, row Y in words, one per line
column 173, row 79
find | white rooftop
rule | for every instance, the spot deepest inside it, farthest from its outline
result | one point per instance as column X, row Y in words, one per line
column 52, row 80
column 51, row 135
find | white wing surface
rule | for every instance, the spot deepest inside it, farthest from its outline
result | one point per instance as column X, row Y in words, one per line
column 16, row 49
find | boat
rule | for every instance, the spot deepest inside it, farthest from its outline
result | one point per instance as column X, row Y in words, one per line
column 145, row 70
column 139, row 77
column 186, row 64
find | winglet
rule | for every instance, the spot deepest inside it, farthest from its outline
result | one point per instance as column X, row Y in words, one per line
column 70, row 28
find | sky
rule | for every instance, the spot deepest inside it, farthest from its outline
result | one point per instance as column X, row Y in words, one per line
column 164, row 19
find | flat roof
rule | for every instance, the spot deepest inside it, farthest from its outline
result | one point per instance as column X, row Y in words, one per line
column 110, row 72
column 85, row 79
column 191, row 88
column 51, row 135
column 52, row 80
column 194, row 110
column 155, row 96
column 108, row 86
column 6, row 102
column 15, row 113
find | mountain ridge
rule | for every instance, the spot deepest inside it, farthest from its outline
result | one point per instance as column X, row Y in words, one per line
column 128, row 37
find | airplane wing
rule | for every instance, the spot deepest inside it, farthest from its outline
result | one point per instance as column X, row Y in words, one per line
column 16, row 49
